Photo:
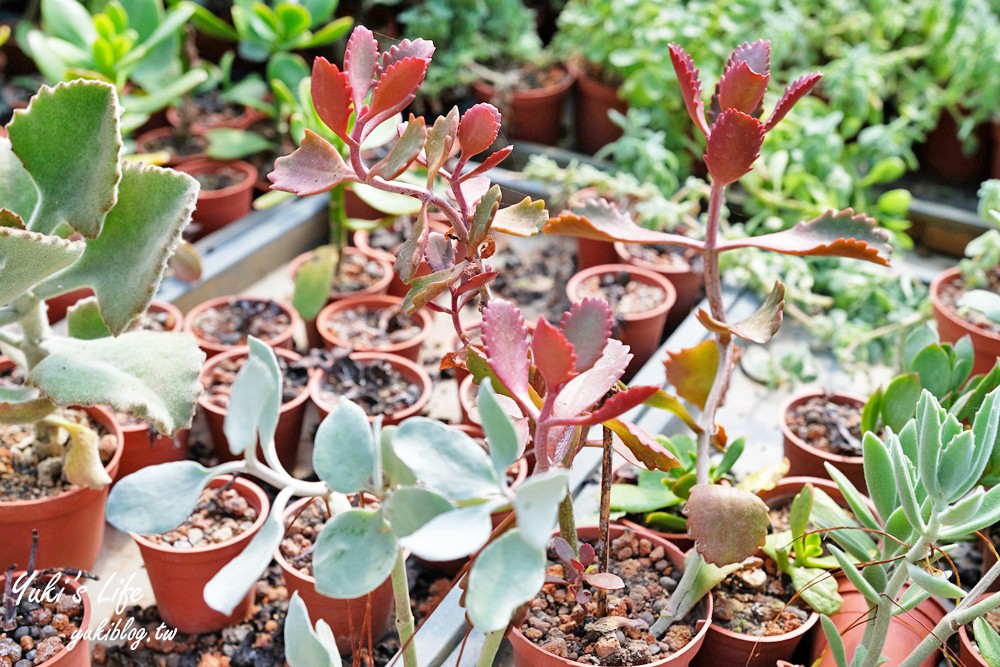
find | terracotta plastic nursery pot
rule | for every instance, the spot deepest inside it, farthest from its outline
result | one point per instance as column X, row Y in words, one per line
column 179, row 576
column 284, row 340
column 642, row 332
column 688, row 283
column 942, row 154
column 594, row 128
column 529, row 654
column 290, row 417
column 408, row 369
column 591, row 252
column 70, row 525
column 788, row 487
column 535, row 113
column 409, row 349
column 905, row 630
column 806, row 460
column 348, row 618
column 968, row 654
column 217, row 208
column 79, row 655
column 951, row 326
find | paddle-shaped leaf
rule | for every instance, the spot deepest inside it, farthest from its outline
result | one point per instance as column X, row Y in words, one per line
column 157, row 499
column 587, row 325
column 478, row 129
column 508, row 573
column 692, row 371
column 332, row 96
column 602, row 221
column 397, row 87
column 315, row 167
column 360, row 60
column 525, row 218
column 344, row 454
column 304, row 646
column 339, row 571
column 537, row 503
column 712, row 510
column 505, row 339
column 445, row 459
column 554, row 355
column 588, row 388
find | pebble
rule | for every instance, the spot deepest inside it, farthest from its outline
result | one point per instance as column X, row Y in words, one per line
column 47, row 649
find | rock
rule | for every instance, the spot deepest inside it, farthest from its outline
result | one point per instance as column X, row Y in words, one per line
column 645, row 547
column 668, row 584
column 106, row 447
column 532, row 633
column 49, row 472
column 47, row 649
column 657, row 553
column 213, row 660
column 606, row 647
column 556, row 646
column 10, row 649
column 755, row 578
column 68, row 605
column 195, row 535
column 678, row 636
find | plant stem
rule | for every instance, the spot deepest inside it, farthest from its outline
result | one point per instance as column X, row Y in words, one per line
column 404, row 615
column 35, row 327
column 338, row 223
column 605, row 520
column 567, row 523
column 490, row 648
column 949, row 625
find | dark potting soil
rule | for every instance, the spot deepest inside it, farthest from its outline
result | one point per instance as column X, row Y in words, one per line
column 558, row 624
column 232, row 323
column 625, row 296
column 209, row 108
column 362, row 327
column 24, row 475
column 661, row 254
column 179, row 144
column 219, row 383
column 221, row 178
column 376, row 385
column 535, row 277
column 220, row 515
column 41, row 627
column 953, row 291
column 756, row 602
column 356, row 272
column 389, row 238
column 829, row 426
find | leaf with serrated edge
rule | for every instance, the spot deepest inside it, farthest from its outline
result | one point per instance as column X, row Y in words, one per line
column 587, row 325
column 403, row 152
column 536, row 504
column 140, row 234
column 483, row 215
column 344, row 454
column 360, row 60
column 440, row 140
column 339, row 572
column 758, row 328
column 396, row 88
column 588, row 388
column 18, row 191
column 255, row 400
column 478, row 129
column 742, row 88
column 733, row 146
column 553, row 354
column 525, row 218
column 83, row 320
column 687, row 75
column 692, row 371
column 416, row 48
column 637, row 445
column 620, row 403
column 315, row 167
column 506, row 574
column 505, row 339
column 157, row 499
column 601, row 221
column 27, row 258
column 159, row 388
column 331, row 96
column 793, row 93
column 68, row 140
column 427, row 288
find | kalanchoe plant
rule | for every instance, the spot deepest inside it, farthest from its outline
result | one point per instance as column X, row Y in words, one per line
column 579, row 569
column 63, row 176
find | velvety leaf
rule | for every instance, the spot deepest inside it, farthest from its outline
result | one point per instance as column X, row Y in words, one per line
column 712, row 511
column 17, row 189
column 230, row 584
column 733, row 146
column 22, row 406
column 255, row 400
column 483, row 215
column 427, row 288
column 416, row 48
column 339, row 571
column 139, row 236
column 525, row 218
column 454, row 534
column 692, row 371
column 537, row 504
column 756, row 54
column 590, row 387
column 641, row 446
column 933, row 584
column 440, row 140
column 505, row 339
column 403, row 152
column 506, row 574
column 160, row 388
column 445, row 459
column 602, row 221
column 553, row 354
column 587, row 325
column 315, row 167
column 987, row 641
column 344, row 454
column 501, row 434
column 157, row 499
column 331, row 96
column 304, row 647
column 360, row 60
column 397, row 86
column 620, row 403
column 82, row 464
column 68, row 140
column 411, row 508
column 833, row 234
column 758, row 328
column 834, row 641
column 27, row 258
column 687, row 76
column 742, row 88
column 478, row 129
column 313, row 281
column 411, row 254
column 793, row 93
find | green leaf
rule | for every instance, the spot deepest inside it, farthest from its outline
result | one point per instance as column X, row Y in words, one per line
column 536, row 503
column 956, row 467
column 344, row 454
column 916, row 341
column 667, row 523
column 965, row 357
column 913, row 596
column 729, row 459
column 878, row 473
column 987, row 640
column 903, row 474
column 425, row 289
column 483, row 215
column 305, row 647
column 798, row 518
column 157, row 499
column 445, row 459
column 871, row 411
column 68, row 20
column 963, row 510
column 885, row 170
column 525, row 218
column 230, row 584
column 210, row 24
column 933, row 584
column 313, row 281
column 501, row 436
column 833, row 639
column 899, row 403
column 982, row 301
column 692, row 371
column 68, row 140
column 255, row 400
column 151, row 375
column 394, row 470
column 20, row 194
column 329, row 33
column 818, row 588
column 403, row 152
column 389, row 203
column 294, row 19
column 140, row 234
column 664, row 401
column 84, row 320
column 637, row 500
column 455, row 534
column 410, row 508
column 355, row 553
column 934, row 367
column 507, row 574
column 854, row 576
column 894, row 202
column 988, row 514
column 27, row 258
column 233, row 144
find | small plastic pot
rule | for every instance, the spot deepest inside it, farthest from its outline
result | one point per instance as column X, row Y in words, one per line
column 951, row 327
column 642, row 332
column 942, row 153
column 536, row 113
column 410, row 349
column 79, row 655
column 968, row 654
column 284, row 340
column 217, row 208
column 347, row 617
column 408, row 369
column 594, row 100
column 179, row 576
column 808, row 461
column 591, row 252
column 70, row 525
column 689, row 283
column 529, row 654
column 290, row 417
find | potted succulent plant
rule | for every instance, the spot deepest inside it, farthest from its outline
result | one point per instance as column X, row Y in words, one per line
column 64, row 172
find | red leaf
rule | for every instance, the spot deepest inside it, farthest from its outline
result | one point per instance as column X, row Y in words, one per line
column 581, row 393
column 793, row 93
column 619, row 404
column 396, row 88
column 687, row 76
column 755, row 54
column 833, row 234
column 733, row 146
column 636, row 445
column 604, row 580
column 587, row 325
column 417, row 48
column 600, row 220
column 505, row 339
column 563, row 549
column 587, row 554
column 360, row 61
column 331, row 96
column 478, row 129
column 493, row 160
column 743, row 89
column 553, row 354
column 692, row 371
column 314, row 167
column 476, row 281
column 712, row 513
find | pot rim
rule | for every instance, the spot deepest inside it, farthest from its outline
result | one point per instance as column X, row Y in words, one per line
column 219, row 348
column 802, row 396
column 645, row 275
column 377, row 287
column 203, row 165
column 949, row 314
column 560, row 87
column 628, row 258
column 248, row 490
column 408, row 369
column 966, row 641
column 373, row 302
column 243, row 351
